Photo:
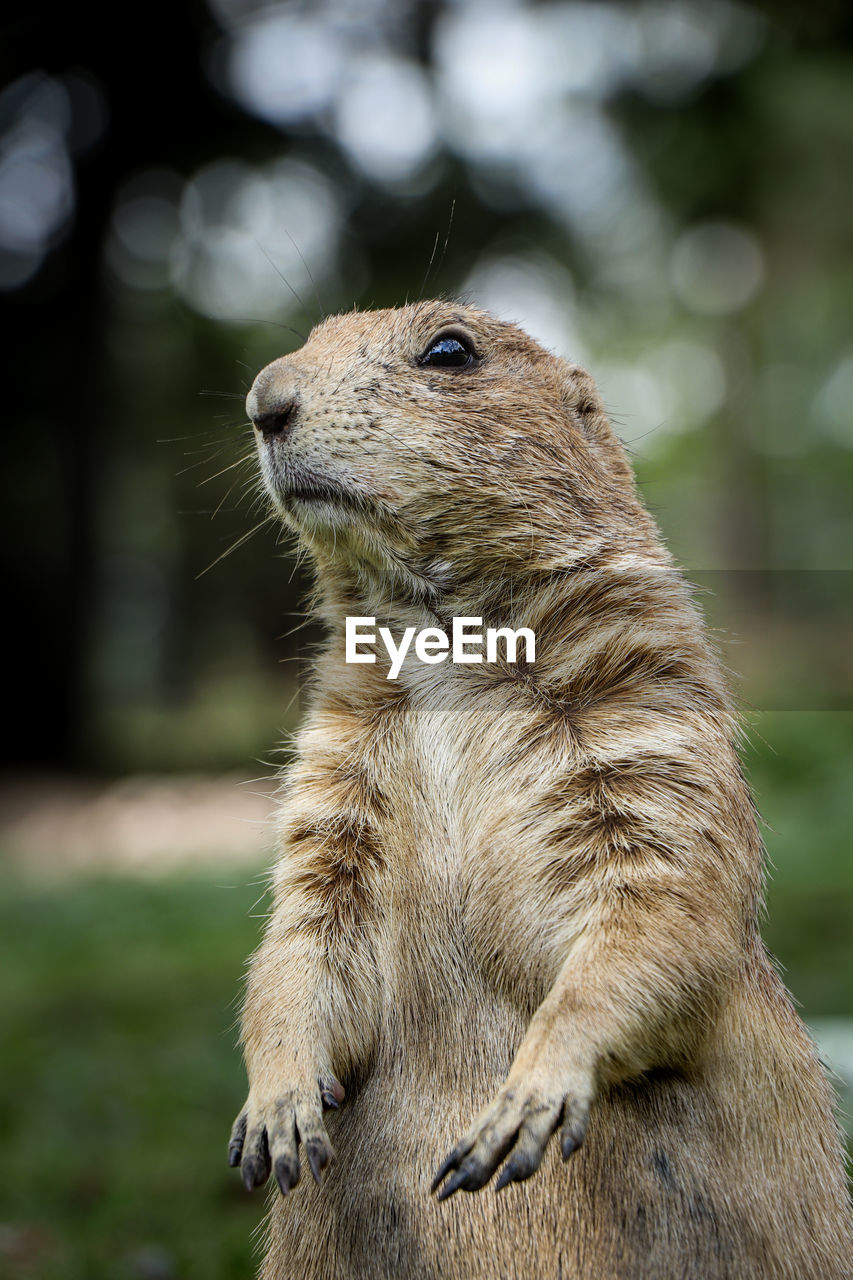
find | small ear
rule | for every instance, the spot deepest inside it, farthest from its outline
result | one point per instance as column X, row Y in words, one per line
column 581, row 397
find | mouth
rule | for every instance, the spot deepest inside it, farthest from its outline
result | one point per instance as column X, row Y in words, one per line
column 298, row 490
column 311, row 491
column 317, row 491
column 312, row 499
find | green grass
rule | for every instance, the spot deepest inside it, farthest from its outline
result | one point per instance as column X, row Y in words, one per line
column 800, row 764
column 120, row 1074
column 121, row 1078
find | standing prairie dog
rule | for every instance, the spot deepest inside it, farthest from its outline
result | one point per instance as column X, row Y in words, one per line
column 515, row 901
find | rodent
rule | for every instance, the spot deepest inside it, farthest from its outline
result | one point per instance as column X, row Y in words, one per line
column 513, row 901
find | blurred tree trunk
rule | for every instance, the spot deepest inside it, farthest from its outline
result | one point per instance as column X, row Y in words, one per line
column 162, row 111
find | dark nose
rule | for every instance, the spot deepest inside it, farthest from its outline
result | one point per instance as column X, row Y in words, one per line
column 277, row 419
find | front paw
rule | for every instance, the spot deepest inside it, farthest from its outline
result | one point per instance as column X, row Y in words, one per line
column 520, row 1120
column 267, row 1133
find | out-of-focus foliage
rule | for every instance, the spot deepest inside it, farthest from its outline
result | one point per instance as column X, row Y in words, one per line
column 121, row 1077
column 660, row 189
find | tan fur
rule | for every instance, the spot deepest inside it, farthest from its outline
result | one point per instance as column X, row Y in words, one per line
column 515, row 899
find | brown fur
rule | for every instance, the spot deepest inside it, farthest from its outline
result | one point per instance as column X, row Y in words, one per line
column 515, row 899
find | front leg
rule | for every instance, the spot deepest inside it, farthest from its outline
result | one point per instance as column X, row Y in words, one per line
column 294, row 1004
column 548, row 1088
column 312, row 1003
column 634, row 992
column 268, row 1131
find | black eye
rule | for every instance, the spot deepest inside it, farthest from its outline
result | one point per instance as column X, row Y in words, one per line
column 448, row 352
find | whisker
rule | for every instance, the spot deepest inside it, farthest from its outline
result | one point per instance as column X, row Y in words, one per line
column 239, row 543
column 241, row 462
column 276, row 324
column 447, row 236
column 283, row 280
column 308, row 270
column 434, row 248
column 199, row 462
column 221, row 503
column 429, row 267
column 212, row 436
column 203, row 462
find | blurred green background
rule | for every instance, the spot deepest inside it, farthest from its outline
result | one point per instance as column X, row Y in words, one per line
column 660, row 190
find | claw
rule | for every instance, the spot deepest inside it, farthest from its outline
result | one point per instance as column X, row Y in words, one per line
column 250, row 1174
column 286, row 1174
column 256, row 1158
column 521, row 1165
column 450, row 1163
column 331, row 1091
column 453, row 1184
column 235, row 1142
column 318, row 1158
column 514, row 1171
column 571, row 1137
column 569, row 1143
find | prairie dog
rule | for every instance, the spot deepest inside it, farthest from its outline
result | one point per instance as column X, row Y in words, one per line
column 514, row 901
